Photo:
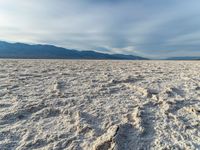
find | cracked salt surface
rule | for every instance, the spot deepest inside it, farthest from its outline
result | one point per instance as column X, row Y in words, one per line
column 102, row 105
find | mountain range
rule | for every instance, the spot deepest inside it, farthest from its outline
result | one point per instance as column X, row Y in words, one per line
column 27, row 51
column 184, row 58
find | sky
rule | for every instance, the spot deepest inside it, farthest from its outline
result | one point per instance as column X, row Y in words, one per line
column 148, row 28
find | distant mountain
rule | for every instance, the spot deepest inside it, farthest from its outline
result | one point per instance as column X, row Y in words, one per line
column 184, row 58
column 26, row 51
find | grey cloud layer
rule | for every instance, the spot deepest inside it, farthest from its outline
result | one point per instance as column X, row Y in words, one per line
column 149, row 28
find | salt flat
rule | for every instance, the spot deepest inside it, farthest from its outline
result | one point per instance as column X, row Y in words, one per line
column 99, row 105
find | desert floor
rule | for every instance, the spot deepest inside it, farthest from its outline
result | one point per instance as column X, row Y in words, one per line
column 99, row 105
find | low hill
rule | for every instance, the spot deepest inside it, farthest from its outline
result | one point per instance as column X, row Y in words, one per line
column 184, row 58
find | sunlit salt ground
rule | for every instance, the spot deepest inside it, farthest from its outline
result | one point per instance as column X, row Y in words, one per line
column 99, row 105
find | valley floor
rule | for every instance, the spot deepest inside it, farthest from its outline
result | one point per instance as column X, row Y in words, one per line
column 99, row 105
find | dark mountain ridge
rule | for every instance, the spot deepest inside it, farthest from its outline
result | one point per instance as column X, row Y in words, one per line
column 27, row 51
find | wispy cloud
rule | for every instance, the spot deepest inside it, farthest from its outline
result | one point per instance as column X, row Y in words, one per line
column 149, row 28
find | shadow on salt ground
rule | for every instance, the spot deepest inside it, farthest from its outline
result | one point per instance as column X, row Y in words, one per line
column 133, row 135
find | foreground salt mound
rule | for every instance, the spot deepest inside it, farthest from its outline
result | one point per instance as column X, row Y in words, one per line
column 99, row 105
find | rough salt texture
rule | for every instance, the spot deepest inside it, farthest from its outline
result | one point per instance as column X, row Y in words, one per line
column 99, row 105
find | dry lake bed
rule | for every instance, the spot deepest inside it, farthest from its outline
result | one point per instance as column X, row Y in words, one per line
column 99, row 105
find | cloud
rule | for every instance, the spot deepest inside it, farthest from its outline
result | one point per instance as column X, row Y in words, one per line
column 148, row 28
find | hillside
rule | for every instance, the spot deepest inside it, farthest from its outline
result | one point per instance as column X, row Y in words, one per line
column 26, row 51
